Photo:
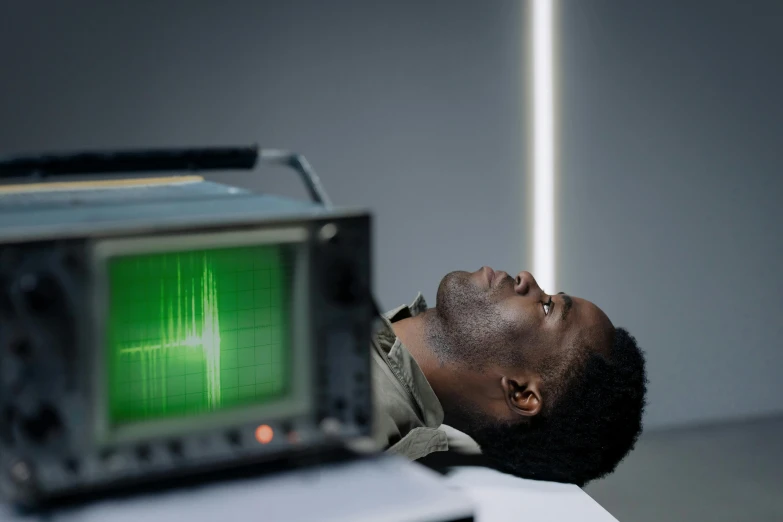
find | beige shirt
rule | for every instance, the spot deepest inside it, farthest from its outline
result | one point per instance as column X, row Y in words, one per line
column 407, row 411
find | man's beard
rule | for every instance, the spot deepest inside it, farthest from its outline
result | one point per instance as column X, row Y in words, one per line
column 468, row 329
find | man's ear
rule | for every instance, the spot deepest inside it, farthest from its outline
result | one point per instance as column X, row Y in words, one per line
column 523, row 396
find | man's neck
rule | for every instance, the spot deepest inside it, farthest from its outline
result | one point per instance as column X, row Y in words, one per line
column 449, row 381
column 412, row 332
column 415, row 334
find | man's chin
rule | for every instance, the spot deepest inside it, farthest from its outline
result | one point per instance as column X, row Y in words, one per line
column 456, row 292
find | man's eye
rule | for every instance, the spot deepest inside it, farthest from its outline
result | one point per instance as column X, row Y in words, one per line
column 547, row 306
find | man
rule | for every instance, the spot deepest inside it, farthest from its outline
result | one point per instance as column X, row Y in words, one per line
column 545, row 384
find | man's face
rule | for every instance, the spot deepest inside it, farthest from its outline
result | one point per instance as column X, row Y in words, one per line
column 491, row 316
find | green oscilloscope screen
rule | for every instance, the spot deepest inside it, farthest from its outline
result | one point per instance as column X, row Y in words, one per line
column 197, row 331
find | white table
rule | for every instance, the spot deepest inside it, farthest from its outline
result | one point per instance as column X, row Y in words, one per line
column 384, row 489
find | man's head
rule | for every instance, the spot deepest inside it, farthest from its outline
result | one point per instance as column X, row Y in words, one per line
column 556, row 391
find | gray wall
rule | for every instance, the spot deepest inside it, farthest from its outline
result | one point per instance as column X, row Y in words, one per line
column 411, row 108
column 670, row 216
column 671, row 121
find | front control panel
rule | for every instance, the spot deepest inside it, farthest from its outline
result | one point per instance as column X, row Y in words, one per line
column 41, row 342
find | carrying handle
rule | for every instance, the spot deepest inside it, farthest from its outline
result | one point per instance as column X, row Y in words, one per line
column 157, row 160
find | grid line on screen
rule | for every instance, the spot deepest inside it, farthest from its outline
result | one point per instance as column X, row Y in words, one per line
column 196, row 331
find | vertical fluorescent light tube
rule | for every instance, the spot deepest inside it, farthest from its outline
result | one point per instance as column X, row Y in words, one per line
column 543, row 145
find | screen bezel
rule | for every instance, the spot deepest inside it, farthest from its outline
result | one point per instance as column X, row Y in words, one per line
column 299, row 399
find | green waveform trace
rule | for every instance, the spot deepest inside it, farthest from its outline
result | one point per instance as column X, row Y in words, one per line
column 192, row 328
column 197, row 331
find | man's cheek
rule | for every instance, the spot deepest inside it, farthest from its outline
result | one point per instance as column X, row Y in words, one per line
column 515, row 315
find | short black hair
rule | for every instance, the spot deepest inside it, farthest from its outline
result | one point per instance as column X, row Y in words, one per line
column 593, row 424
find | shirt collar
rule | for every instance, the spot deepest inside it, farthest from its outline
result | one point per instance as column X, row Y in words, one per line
column 418, row 306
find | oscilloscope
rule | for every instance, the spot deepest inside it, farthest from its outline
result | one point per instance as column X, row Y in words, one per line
column 157, row 327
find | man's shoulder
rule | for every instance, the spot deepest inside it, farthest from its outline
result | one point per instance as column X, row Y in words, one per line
column 397, row 424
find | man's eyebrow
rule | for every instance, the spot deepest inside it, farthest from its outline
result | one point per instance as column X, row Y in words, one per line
column 567, row 304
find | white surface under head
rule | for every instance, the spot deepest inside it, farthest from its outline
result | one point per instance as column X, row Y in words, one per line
column 498, row 496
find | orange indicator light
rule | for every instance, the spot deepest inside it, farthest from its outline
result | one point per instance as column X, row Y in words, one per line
column 264, row 434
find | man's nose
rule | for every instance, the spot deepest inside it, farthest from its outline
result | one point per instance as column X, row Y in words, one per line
column 525, row 282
